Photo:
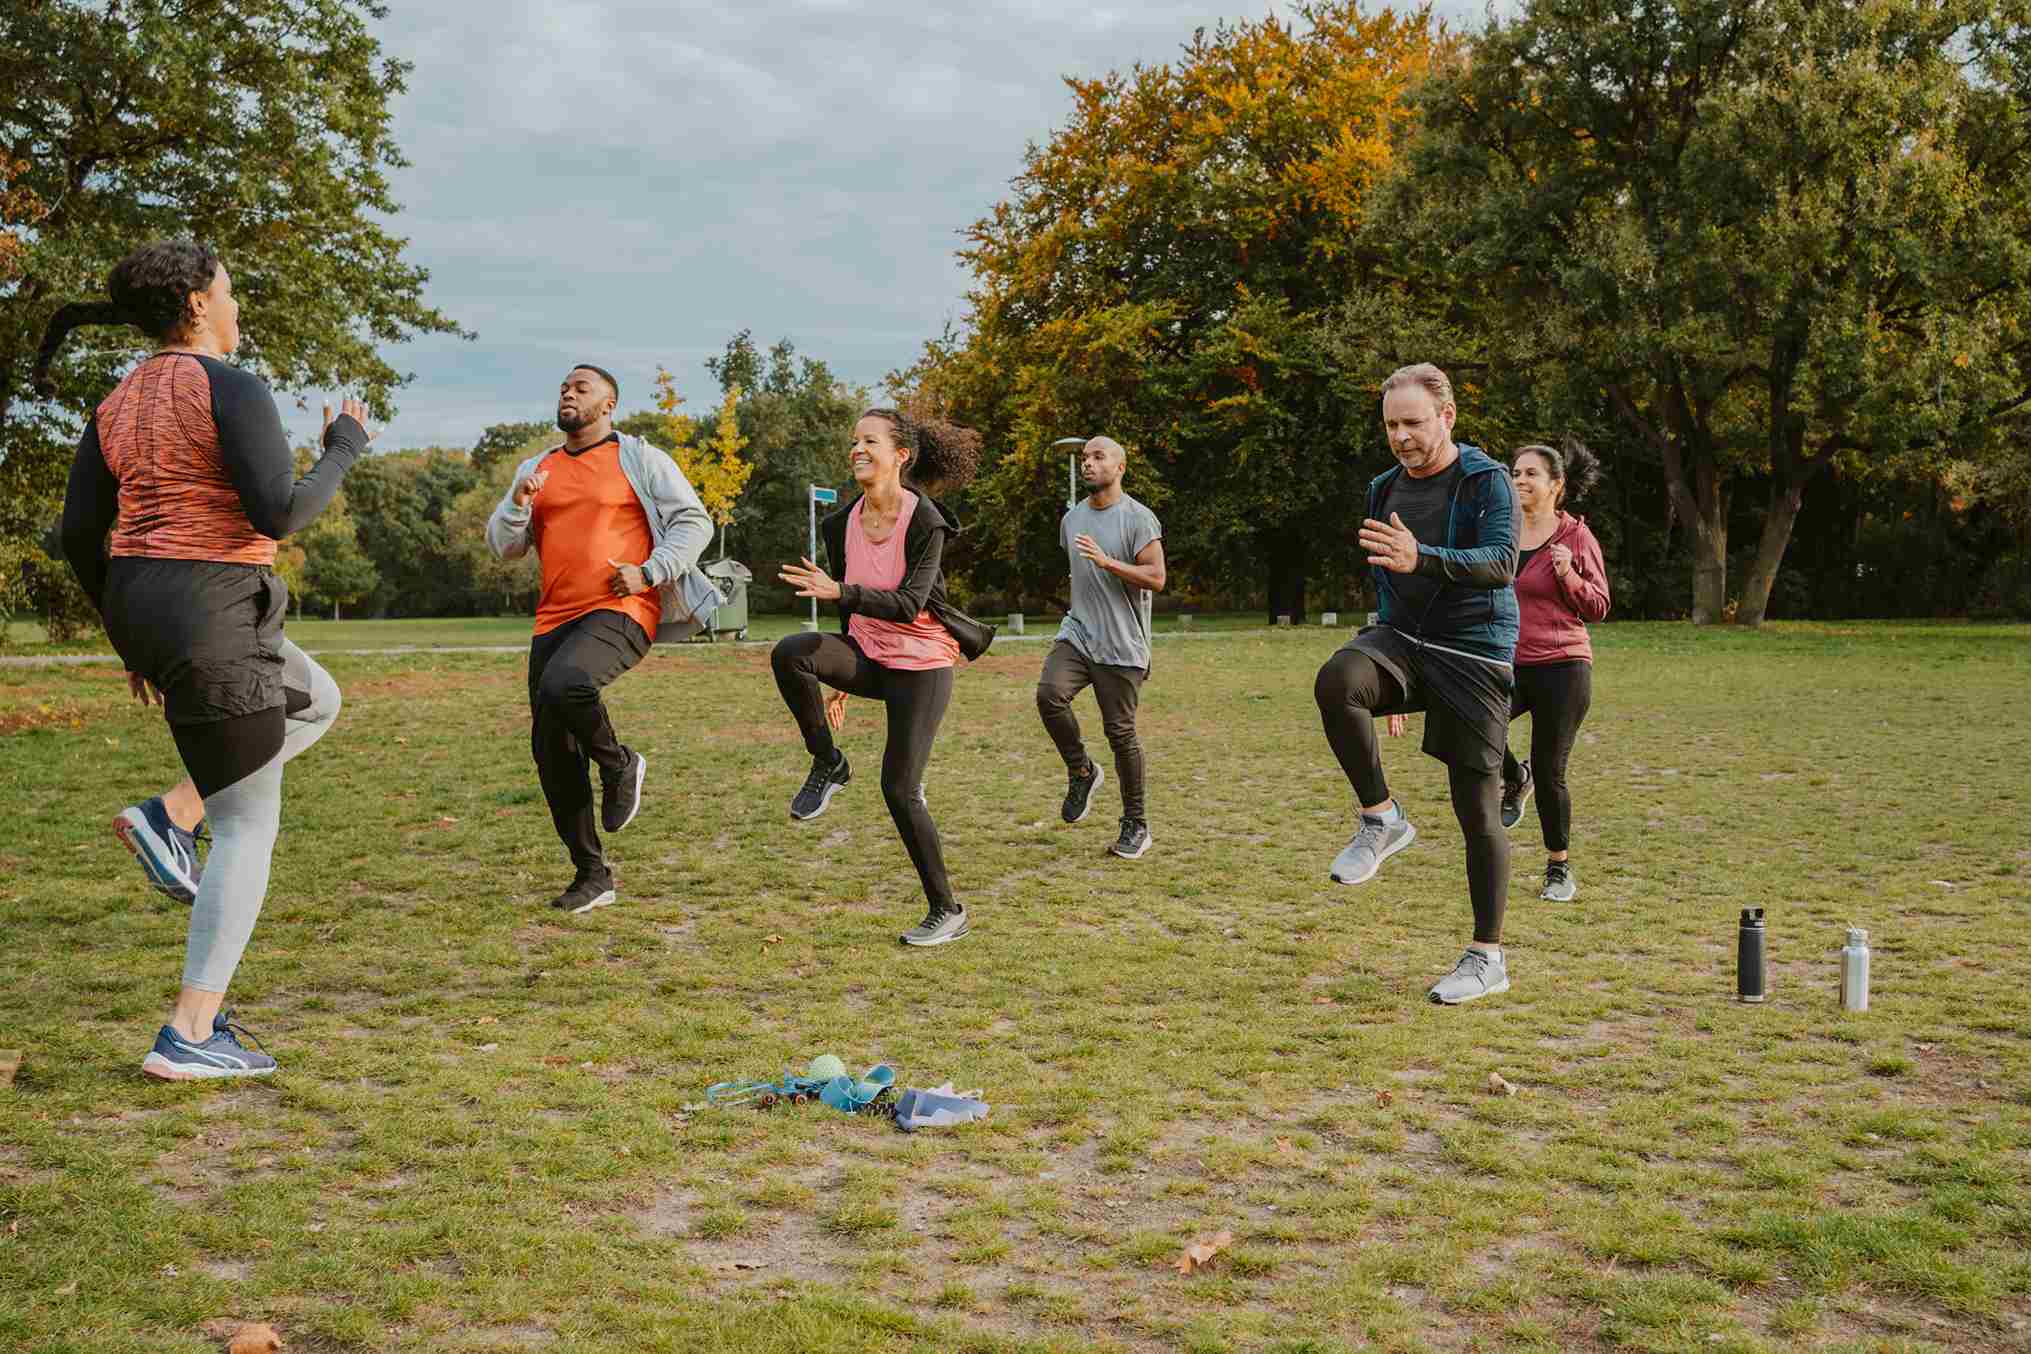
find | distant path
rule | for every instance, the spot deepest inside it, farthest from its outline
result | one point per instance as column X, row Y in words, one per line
column 73, row 660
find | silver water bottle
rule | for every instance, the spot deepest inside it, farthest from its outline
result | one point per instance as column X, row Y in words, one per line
column 1855, row 971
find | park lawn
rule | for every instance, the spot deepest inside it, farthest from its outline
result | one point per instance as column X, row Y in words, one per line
column 28, row 639
column 486, row 1132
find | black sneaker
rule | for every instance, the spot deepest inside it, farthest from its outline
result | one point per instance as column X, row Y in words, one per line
column 937, row 928
column 591, row 889
column 620, row 795
column 1514, row 797
column 819, row 787
column 1134, row 840
column 1079, row 794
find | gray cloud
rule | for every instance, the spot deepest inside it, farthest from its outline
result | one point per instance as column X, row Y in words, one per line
column 631, row 183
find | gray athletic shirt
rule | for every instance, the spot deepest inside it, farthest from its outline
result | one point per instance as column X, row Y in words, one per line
column 1106, row 619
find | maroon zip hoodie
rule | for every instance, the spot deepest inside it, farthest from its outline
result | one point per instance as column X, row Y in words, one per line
column 1554, row 611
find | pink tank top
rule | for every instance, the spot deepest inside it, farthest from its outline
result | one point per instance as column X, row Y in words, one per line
column 920, row 644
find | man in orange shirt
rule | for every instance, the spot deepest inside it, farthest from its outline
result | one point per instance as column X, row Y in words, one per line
column 589, row 508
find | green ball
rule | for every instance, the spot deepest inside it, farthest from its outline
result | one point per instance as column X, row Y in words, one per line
column 826, row 1066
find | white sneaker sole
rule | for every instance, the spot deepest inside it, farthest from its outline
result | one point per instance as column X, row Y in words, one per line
column 1405, row 840
column 960, row 934
column 641, row 770
column 162, row 1069
column 1548, row 896
column 130, row 825
column 607, row 899
column 824, row 802
column 1099, row 779
column 1437, row 1000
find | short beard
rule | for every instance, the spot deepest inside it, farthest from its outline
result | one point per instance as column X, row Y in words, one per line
column 568, row 425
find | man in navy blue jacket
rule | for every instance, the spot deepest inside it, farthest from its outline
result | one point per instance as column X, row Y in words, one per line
column 1440, row 535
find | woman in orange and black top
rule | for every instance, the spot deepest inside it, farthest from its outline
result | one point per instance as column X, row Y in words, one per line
column 182, row 484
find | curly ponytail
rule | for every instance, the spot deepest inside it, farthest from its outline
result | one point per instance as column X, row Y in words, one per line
column 943, row 455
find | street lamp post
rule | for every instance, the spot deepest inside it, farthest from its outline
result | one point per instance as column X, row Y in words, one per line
column 1071, row 470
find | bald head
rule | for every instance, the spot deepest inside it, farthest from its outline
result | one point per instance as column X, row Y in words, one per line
column 1102, row 462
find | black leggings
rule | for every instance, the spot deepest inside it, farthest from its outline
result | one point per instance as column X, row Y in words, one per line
column 916, row 704
column 1349, row 689
column 1556, row 697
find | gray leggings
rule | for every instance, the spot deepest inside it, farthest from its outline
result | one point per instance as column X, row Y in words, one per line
column 245, row 816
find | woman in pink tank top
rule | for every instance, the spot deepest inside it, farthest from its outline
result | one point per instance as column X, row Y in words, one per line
column 899, row 639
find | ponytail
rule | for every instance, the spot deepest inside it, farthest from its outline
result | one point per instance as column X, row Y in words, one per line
column 150, row 289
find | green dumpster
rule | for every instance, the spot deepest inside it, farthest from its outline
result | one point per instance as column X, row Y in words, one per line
column 730, row 617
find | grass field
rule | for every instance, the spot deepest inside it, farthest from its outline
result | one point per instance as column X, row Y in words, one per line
column 27, row 638
column 485, row 1133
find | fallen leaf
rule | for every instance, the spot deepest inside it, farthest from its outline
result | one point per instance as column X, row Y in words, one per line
column 488, row 1048
column 67, row 1289
column 1498, row 1086
column 1200, row 1254
column 1284, row 1148
column 772, row 940
column 444, row 822
column 1383, row 1099
column 167, row 1271
column 256, row 1337
column 10, row 1063
column 1323, row 1000
column 488, row 1020
column 1922, row 1048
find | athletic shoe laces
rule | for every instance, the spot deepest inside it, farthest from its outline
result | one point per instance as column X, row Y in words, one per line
column 1474, row 963
column 1373, row 830
column 815, row 782
column 234, row 1031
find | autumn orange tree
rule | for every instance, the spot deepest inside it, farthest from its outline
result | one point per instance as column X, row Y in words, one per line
column 1161, row 273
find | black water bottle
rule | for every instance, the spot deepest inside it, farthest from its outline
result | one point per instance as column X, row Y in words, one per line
column 1749, row 956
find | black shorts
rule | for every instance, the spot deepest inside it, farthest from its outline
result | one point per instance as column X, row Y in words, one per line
column 207, row 635
column 1465, row 699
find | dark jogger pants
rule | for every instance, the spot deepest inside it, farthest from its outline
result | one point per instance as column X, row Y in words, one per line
column 568, row 668
column 1066, row 673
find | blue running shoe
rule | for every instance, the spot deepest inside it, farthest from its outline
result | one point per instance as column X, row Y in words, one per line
column 167, row 853
column 175, row 1058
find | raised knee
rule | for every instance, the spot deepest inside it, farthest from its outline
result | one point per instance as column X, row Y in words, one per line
column 1051, row 701
column 560, row 685
column 1330, row 688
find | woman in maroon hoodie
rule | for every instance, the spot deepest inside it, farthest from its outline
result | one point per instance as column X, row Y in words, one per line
column 1561, row 584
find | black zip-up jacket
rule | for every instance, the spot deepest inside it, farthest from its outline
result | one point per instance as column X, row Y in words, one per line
column 923, row 585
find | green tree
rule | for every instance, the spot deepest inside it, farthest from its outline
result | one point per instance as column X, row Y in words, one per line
column 1163, row 273
column 506, row 441
column 797, row 417
column 1768, row 237
column 400, row 503
column 511, row 585
column 336, row 572
column 258, row 126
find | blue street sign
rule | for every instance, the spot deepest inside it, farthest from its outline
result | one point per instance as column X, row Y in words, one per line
column 824, row 495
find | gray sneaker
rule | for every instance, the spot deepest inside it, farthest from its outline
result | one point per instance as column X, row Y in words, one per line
column 1377, row 841
column 1478, row 974
column 937, row 928
column 1559, row 886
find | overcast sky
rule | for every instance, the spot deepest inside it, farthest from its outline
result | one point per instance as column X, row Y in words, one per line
column 633, row 183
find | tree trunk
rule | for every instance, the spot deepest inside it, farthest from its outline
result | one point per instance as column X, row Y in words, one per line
column 1709, row 567
column 1286, row 556
column 1785, row 500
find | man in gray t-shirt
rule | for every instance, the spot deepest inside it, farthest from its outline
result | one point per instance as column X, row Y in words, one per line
column 1116, row 549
